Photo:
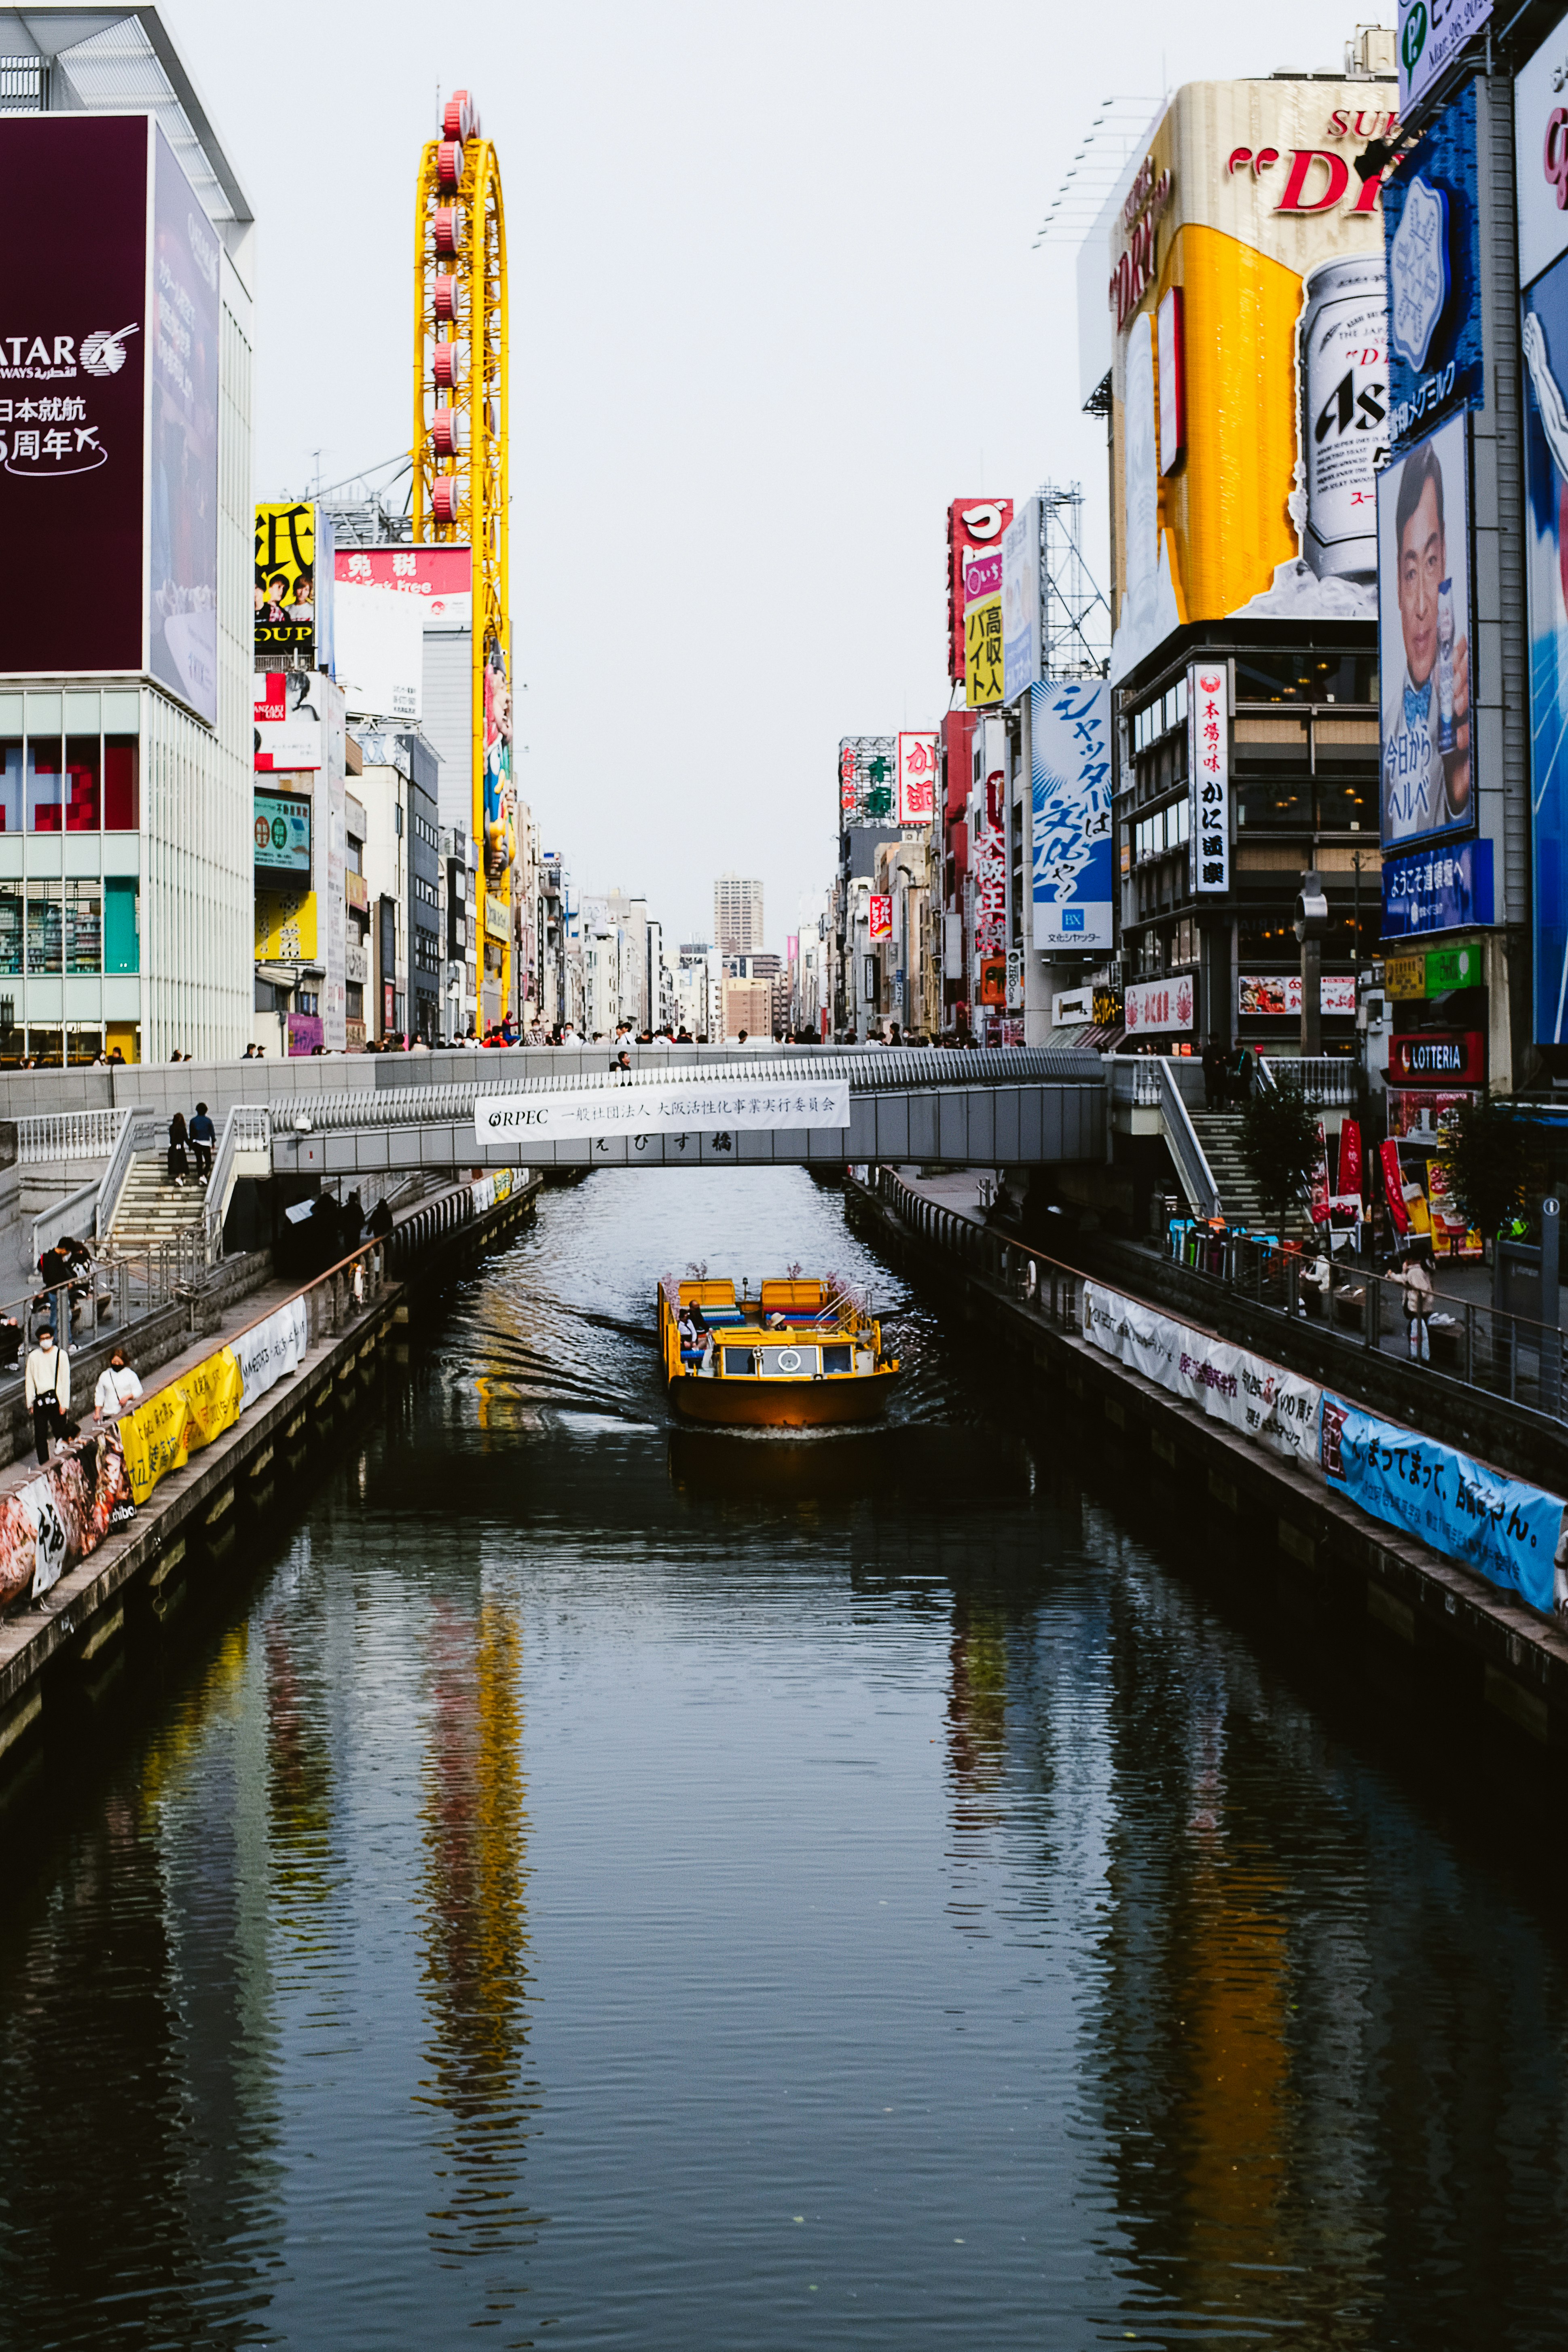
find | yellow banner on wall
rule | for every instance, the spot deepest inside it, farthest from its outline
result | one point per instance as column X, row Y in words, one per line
column 161, row 1435
column 285, row 927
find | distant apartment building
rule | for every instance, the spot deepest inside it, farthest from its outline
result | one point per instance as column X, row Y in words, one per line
column 737, row 914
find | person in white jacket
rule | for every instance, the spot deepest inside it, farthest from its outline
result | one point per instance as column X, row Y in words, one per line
column 48, row 1391
column 118, row 1387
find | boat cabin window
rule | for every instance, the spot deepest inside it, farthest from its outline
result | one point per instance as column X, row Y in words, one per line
column 737, row 1362
column 836, row 1360
column 789, row 1362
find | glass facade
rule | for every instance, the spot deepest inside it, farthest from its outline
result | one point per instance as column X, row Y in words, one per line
column 70, row 868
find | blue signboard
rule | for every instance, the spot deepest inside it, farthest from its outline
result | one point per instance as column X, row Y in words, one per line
column 1437, row 889
column 1545, row 344
column 1464, row 1509
column 1073, row 866
column 1433, row 244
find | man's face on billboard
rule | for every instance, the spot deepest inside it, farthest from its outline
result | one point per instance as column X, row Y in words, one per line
column 1422, row 566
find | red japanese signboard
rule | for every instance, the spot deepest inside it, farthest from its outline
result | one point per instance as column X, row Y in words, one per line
column 971, row 523
column 881, row 914
column 917, row 779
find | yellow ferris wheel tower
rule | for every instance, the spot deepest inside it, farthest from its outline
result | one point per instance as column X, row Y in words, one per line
column 460, row 473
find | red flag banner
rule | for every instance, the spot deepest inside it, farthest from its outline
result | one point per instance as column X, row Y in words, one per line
column 1393, row 1185
column 1349, row 1158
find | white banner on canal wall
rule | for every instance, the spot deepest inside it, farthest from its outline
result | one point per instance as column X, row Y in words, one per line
column 662, row 1105
column 269, row 1351
column 1248, row 1393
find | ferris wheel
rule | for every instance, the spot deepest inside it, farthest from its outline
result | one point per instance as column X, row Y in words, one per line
column 460, row 472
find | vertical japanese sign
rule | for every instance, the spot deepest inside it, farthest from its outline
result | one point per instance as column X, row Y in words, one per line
column 1021, row 655
column 1208, row 756
column 286, row 579
column 917, row 779
column 880, row 910
column 73, row 389
column 182, row 584
column 1070, row 754
column 991, row 861
column 983, row 678
column 971, row 523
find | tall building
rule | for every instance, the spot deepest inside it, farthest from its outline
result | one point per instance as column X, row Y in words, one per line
column 126, row 818
column 737, row 914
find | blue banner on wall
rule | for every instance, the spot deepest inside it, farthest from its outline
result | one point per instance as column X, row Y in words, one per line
column 1468, row 1512
column 1430, row 220
column 1438, row 890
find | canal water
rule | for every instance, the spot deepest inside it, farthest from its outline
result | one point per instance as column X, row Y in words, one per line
column 596, row 1884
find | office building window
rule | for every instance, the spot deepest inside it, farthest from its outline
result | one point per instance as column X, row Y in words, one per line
column 84, row 925
column 121, row 783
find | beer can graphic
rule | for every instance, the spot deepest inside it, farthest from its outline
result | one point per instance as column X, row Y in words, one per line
column 1445, row 666
column 1342, row 357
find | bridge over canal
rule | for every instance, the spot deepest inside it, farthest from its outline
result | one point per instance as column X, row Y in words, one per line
column 1005, row 1105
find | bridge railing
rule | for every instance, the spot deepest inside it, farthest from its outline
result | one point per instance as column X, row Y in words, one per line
column 874, row 1070
column 68, row 1135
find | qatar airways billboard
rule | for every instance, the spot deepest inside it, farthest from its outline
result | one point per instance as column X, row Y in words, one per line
column 108, row 361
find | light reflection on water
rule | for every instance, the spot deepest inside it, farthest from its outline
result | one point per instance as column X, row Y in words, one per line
column 623, row 1885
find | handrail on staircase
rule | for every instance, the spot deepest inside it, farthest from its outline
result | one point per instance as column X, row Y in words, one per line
column 1192, row 1161
column 132, row 1131
column 248, row 1128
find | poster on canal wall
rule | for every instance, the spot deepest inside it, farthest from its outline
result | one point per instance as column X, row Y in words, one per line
column 1259, row 1399
column 1466, row 1510
column 658, row 1105
column 60, row 1517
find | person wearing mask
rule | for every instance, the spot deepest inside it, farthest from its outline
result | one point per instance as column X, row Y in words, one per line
column 48, row 1391
column 118, row 1387
column 1415, row 1284
column 204, row 1135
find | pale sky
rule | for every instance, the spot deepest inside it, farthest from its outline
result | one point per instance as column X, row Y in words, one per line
column 772, row 305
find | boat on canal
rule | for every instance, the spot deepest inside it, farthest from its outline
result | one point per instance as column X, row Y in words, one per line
column 798, row 1355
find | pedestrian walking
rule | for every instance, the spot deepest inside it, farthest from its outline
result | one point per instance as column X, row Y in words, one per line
column 1415, row 1284
column 1213, row 1075
column 1240, row 1075
column 204, row 1135
column 48, row 1391
column 179, row 1136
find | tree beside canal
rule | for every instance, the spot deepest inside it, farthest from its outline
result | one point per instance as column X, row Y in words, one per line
column 1487, row 1150
column 1280, row 1141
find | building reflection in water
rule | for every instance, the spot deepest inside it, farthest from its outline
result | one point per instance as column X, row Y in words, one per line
column 476, row 1977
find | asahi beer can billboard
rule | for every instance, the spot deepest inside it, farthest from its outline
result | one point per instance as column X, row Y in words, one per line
column 1343, row 359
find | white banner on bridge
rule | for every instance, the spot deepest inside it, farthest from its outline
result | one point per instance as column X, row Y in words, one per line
column 271, row 1349
column 662, row 1105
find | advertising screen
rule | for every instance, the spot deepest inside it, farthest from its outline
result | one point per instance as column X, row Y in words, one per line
column 182, row 581
column 1270, row 372
column 282, row 834
column 73, row 383
column 1424, row 638
column 1545, row 341
column 1069, row 751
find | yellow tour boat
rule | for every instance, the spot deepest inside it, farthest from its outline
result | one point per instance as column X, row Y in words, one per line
column 799, row 1355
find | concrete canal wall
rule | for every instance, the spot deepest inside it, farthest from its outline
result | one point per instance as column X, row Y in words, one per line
column 63, row 1650
column 1368, row 1594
